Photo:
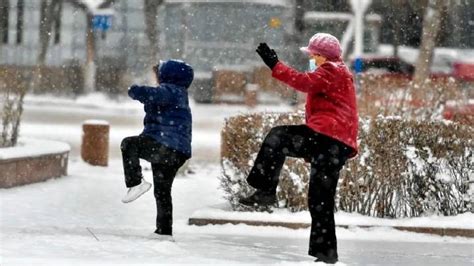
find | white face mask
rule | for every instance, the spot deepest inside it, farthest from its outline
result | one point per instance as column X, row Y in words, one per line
column 312, row 65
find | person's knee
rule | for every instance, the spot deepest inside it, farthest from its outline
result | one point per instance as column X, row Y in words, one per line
column 273, row 138
column 278, row 130
column 125, row 144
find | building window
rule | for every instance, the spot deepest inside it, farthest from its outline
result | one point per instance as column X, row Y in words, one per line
column 4, row 16
column 19, row 21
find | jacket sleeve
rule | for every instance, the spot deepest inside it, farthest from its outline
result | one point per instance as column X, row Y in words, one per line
column 145, row 94
column 317, row 81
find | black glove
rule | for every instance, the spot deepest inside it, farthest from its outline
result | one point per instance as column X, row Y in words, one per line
column 268, row 55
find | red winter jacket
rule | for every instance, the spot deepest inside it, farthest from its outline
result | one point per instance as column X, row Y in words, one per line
column 331, row 107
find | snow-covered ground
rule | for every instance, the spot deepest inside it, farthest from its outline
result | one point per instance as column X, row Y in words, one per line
column 79, row 219
column 62, row 118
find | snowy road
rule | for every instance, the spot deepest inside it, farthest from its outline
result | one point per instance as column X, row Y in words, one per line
column 79, row 219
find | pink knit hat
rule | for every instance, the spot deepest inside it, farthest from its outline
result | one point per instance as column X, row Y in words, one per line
column 324, row 44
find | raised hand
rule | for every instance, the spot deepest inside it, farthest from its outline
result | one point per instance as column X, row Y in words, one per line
column 268, row 55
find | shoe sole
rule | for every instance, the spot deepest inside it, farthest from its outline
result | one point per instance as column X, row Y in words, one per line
column 138, row 195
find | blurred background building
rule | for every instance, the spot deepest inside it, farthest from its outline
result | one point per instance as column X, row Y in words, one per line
column 123, row 38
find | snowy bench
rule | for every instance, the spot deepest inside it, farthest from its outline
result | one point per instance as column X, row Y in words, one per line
column 31, row 161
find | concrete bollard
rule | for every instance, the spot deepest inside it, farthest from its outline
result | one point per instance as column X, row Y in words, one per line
column 95, row 142
column 251, row 95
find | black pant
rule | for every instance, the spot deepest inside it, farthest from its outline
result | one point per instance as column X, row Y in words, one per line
column 327, row 157
column 165, row 162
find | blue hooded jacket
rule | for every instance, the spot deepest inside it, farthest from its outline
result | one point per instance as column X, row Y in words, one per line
column 168, row 116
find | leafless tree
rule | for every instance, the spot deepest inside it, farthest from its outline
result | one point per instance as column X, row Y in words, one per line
column 152, row 31
column 151, row 12
column 431, row 27
column 49, row 10
column 12, row 93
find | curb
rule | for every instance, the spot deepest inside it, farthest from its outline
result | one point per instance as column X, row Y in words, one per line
column 415, row 229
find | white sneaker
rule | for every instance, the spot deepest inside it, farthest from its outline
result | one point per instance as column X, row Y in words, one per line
column 159, row 237
column 135, row 192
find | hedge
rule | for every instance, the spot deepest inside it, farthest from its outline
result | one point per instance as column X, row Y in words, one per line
column 404, row 168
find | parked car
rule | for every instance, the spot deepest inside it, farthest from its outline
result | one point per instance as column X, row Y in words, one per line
column 461, row 112
column 400, row 72
column 463, row 71
column 384, row 65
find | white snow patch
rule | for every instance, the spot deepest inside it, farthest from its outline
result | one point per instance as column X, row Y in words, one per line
column 29, row 147
column 410, row 153
column 342, row 218
column 96, row 122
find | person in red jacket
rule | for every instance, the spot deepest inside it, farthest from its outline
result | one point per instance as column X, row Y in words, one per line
column 327, row 139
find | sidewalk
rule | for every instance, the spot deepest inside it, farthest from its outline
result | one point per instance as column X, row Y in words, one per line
column 460, row 225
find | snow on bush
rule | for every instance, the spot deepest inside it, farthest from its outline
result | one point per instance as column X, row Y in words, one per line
column 241, row 140
column 404, row 168
column 12, row 93
column 409, row 168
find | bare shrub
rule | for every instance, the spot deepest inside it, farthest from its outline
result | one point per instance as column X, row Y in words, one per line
column 409, row 168
column 12, row 91
column 241, row 140
column 393, row 95
column 404, row 168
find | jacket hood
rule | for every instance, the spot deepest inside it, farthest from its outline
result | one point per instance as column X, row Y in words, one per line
column 176, row 72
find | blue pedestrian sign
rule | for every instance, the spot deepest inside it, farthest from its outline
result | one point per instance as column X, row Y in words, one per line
column 101, row 22
column 358, row 65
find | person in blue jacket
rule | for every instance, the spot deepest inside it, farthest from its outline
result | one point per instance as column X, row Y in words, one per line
column 165, row 141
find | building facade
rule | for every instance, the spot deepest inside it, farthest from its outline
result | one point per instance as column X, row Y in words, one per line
column 20, row 33
column 196, row 31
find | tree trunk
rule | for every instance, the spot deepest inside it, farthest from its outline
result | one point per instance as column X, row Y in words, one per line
column 431, row 26
column 295, row 41
column 396, row 30
column 151, row 13
column 47, row 13
column 90, row 67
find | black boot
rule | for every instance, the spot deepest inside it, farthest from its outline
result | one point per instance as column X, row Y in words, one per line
column 260, row 198
column 326, row 260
